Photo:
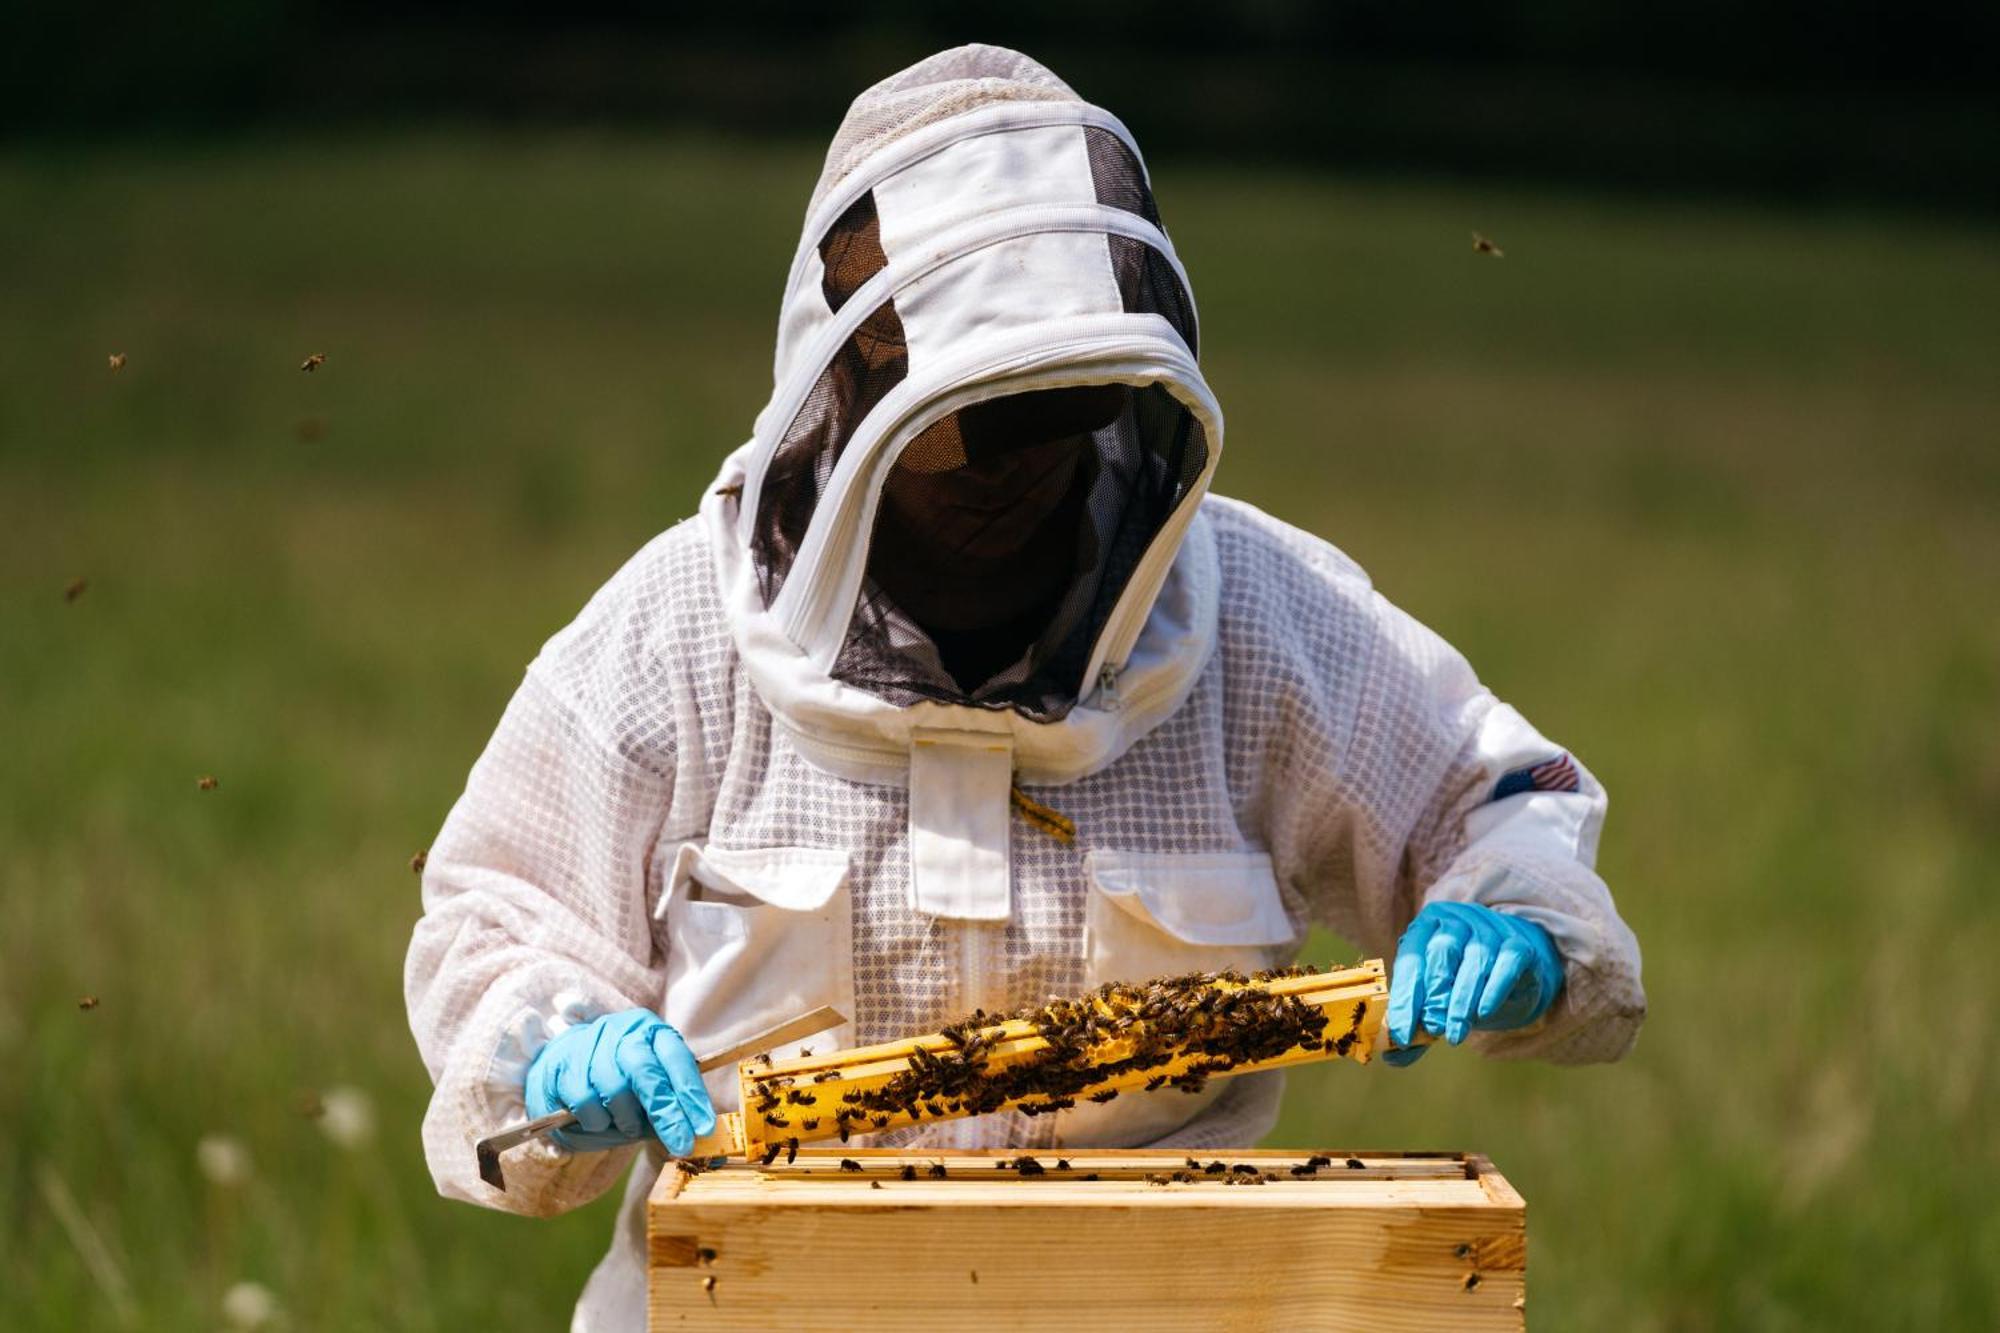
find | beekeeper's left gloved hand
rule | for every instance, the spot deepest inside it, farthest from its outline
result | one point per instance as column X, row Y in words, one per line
column 1461, row 967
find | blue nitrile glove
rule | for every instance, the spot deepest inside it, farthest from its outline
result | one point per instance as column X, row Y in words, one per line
column 622, row 1076
column 1461, row 967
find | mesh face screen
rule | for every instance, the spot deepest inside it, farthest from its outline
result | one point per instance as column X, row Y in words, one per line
column 851, row 251
column 868, row 365
column 1100, row 499
column 1116, row 173
column 1137, row 470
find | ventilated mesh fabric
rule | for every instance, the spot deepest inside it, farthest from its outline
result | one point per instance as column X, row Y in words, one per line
column 947, row 84
column 1329, row 730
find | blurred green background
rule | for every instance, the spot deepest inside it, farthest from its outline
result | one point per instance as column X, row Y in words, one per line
column 1708, row 486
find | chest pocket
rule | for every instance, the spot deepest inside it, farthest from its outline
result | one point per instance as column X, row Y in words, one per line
column 1154, row 914
column 753, row 938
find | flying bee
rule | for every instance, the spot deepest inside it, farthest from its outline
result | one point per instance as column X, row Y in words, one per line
column 732, row 492
column 75, row 589
column 419, row 861
column 313, row 362
column 207, row 782
column 1482, row 246
column 117, row 360
column 88, row 1002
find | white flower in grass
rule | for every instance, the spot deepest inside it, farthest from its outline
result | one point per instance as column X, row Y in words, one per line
column 249, row 1305
column 348, row 1117
column 225, row 1161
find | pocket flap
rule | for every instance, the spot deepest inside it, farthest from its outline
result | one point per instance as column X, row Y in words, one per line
column 798, row 879
column 1202, row 898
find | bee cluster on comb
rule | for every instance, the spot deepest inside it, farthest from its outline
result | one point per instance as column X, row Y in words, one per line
column 1173, row 1032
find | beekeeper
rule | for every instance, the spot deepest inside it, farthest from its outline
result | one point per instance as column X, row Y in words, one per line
column 968, row 566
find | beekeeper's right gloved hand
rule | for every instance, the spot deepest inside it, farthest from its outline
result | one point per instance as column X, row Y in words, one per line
column 1461, row 967
column 623, row 1076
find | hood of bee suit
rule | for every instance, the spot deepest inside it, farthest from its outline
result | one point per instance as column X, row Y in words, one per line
column 979, row 232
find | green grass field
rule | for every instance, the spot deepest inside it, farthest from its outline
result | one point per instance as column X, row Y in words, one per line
column 1712, row 494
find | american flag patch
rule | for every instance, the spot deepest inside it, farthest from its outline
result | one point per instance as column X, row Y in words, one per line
column 1557, row 774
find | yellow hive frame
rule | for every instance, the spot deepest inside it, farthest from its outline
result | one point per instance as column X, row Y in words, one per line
column 1354, row 999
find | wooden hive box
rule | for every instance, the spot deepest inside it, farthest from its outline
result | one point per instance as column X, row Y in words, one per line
column 1368, row 1241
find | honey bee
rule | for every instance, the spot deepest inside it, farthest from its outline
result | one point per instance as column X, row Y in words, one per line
column 908, row 1172
column 708, row 1285
column 809, row 1124
column 75, row 589
column 1109, row 1094
column 791, row 1151
column 1482, row 246
column 313, row 362
column 206, row 782
column 117, row 360
column 771, row 1154
column 419, row 861
column 734, row 491
column 937, row 1172
column 1356, row 1164
column 874, row 1184
column 849, row 1164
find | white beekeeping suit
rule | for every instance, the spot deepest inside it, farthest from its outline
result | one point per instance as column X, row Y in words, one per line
column 745, row 782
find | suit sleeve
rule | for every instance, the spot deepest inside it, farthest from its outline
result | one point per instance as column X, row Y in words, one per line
column 535, row 917
column 1489, row 811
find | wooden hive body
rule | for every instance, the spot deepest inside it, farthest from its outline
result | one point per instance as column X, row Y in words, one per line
column 1401, row 1241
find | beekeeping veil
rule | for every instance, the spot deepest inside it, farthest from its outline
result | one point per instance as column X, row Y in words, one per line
column 985, row 380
